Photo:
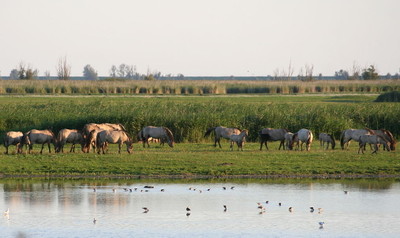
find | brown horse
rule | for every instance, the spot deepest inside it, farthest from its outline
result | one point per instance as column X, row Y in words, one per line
column 221, row 131
column 88, row 128
column 374, row 140
column 387, row 135
column 37, row 137
column 69, row 136
column 353, row 134
column 328, row 139
column 13, row 138
column 239, row 139
column 162, row 133
column 270, row 134
column 113, row 137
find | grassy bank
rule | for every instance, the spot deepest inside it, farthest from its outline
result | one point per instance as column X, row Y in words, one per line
column 188, row 159
column 193, row 87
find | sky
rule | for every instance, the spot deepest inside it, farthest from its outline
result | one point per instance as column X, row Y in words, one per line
column 201, row 37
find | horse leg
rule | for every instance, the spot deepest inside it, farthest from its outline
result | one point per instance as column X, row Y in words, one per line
column 219, row 143
column 261, row 144
column 48, row 144
column 231, row 146
column 6, row 150
column 119, row 148
column 327, row 145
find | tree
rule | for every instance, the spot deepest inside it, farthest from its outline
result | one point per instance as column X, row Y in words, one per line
column 63, row 69
column 89, row 73
column 14, row 74
column 24, row 72
column 370, row 73
column 113, row 71
column 342, row 74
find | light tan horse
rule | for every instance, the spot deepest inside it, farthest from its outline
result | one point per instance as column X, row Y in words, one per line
column 304, row 136
column 98, row 127
column 328, row 139
column 90, row 141
column 162, row 133
column 13, row 138
column 271, row 134
column 69, row 136
column 387, row 135
column 113, row 137
column 352, row 134
column 37, row 137
column 221, row 131
column 290, row 140
column 374, row 140
column 238, row 139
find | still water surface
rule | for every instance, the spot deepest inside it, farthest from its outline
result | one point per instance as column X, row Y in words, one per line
column 68, row 208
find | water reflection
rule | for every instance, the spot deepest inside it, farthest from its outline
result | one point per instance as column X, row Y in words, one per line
column 67, row 208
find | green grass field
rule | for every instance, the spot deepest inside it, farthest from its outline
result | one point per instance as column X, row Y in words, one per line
column 188, row 117
column 194, row 159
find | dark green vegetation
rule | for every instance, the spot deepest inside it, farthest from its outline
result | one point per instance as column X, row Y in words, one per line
column 194, row 87
column 188, row 117
column 389, row 97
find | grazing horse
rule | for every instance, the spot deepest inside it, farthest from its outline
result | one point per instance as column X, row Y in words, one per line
column 387, row 135
column 162, row 133
column 90, row 141
column 352, row 134
column 304, row 136
column 113, row 137
column 221, row 131
column 37, row 137
column 270, row 134
column 373, row 140
column 239, row 139
column 291, row 140
column 328, row 139
column 69, row 136
column 99, row 127
column 13, row 138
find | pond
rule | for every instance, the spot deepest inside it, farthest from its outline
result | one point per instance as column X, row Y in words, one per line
column 68, row 208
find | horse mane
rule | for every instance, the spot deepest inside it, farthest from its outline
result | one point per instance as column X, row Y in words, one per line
column 169, row 134
column 122, row 126
column 209, row 130
column 370, row 131
column 388, row 133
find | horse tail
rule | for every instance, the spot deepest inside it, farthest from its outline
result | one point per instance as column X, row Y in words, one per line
column 310, row 137
column 169, row 134
column 342, row 139
column 208, row 132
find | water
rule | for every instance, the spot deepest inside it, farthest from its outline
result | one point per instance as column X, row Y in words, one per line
column 67, row 209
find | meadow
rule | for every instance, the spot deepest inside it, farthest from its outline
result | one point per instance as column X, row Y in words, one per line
column 188, row 117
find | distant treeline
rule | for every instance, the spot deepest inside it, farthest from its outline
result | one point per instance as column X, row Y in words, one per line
column 194, row 87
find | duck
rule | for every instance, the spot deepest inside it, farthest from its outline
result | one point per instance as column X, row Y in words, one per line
column 225, row 208
column 321, row 224
column 188, row 209
column 94, row 220
column 7, row 212
column 311, row 209
column 290, row 209
column 145, row 210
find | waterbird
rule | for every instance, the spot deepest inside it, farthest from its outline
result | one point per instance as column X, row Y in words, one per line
column 125, row 189
column 261, row 207
column 94, row 189
column 94, row 220
column 280, row 204
column 311, row 209
column 130, row 190
column 266, row 202
column 290, row 209
column 232, row 187
column 320, row 210
column 346, row 192
column 321, row 224
column 188, row 209
column 7, row 212
column 225, row 208
column 208, row 189
column 162, row 190
column 188, row 214
column 224, row 188
column 114, row 191
column 145, row 210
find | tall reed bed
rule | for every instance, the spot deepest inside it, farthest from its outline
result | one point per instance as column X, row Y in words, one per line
column 193, row 87
column 190, row 117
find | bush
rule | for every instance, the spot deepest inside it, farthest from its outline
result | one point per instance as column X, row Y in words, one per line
column 389, row 97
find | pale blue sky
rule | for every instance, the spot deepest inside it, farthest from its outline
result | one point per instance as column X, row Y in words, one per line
column 207, row 37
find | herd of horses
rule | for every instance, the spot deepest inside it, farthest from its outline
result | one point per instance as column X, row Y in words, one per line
column 96, row 137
